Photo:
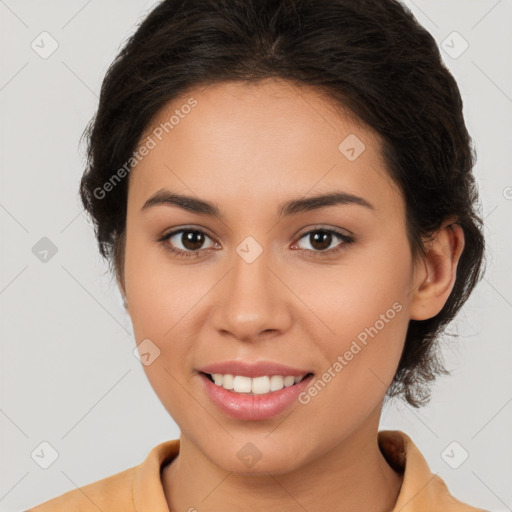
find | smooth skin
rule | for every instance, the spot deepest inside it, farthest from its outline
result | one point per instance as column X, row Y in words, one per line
column 248, row 148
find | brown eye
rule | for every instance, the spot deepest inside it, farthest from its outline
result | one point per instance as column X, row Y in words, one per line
column 192, row 240
column 186, row 242
column 321, row 240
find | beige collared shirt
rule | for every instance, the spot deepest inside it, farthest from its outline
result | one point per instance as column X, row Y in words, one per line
column 139, row 489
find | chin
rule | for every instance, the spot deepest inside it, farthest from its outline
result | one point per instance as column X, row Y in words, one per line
column 258, row 457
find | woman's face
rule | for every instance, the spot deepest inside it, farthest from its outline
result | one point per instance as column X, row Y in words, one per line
column 262, row 284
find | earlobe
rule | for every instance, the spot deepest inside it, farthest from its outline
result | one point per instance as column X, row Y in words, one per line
column 437, row 271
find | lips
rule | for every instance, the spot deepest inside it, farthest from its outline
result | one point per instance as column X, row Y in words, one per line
column 253, row 369
column 253, row 407
column 266, row 400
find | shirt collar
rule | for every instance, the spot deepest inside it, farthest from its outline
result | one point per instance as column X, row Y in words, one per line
column 148, row 492
column 421, row 489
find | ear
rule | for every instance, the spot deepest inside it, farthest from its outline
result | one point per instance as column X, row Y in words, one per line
column 434, row 275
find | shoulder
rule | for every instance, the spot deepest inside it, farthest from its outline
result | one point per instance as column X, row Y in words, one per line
column 106, row 495
column 446, row 501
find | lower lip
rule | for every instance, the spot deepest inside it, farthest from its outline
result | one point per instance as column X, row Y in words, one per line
column 253, row 407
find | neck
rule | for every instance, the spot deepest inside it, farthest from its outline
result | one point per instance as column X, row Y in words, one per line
column 341, row 479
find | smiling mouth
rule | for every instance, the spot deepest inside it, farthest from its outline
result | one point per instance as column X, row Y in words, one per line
column 255, row 385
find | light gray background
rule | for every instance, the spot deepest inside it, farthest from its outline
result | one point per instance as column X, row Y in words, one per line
column 68, row 374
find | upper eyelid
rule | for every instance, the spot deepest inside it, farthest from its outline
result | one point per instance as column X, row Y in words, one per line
column 174, row 232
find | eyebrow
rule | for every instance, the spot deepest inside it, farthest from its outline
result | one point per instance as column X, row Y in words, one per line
column 291, row 207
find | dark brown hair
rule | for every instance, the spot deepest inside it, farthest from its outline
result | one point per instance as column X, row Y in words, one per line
column 368, row 56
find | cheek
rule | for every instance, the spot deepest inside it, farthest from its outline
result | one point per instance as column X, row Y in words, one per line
column 159, row 295
column 352, row 295
column 160, row 304
column 364, row 303
column 366, row 311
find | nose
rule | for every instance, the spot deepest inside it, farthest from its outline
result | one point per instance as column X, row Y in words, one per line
column 252, row 302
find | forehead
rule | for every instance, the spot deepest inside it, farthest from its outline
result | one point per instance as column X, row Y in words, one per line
column 263, row 142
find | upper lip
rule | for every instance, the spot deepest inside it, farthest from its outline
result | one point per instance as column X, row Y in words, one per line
column 255, row 369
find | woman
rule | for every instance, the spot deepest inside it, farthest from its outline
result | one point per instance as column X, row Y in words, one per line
column 284, row 192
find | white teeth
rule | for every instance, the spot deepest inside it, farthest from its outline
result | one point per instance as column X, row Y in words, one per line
column 289, row 381
column 241, row 384
column 227, row 381
column 276, row 383
column 256, row 385
column 260, row 385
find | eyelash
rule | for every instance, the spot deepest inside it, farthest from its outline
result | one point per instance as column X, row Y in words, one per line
column 347, row 240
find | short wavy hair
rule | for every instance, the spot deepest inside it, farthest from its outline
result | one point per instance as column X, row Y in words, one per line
column 370, row 57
